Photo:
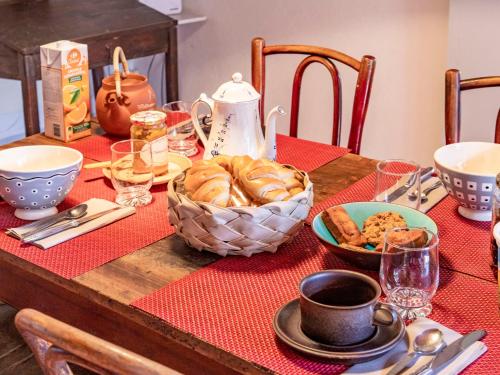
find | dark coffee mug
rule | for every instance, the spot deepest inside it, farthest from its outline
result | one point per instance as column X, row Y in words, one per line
column 340, row 307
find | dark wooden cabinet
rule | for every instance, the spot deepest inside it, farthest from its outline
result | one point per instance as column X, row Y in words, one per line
column 102, row 25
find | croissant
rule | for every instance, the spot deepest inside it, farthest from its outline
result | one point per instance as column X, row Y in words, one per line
column 207, row 181
column 201, row 172
column 241, row 181
column 263, row 182
column 215, row 191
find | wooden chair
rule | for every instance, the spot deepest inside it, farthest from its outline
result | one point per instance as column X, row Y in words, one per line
column 324, row 56
column 56, row 344
column 454, row 86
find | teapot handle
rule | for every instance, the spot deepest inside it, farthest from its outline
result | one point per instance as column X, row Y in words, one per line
column 203, row 99
column 118, row 55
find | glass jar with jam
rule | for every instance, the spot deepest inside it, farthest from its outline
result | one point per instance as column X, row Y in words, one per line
column 150, row 126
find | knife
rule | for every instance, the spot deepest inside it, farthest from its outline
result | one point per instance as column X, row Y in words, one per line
column 65, row 226
column 425, row 174
column 39, row 224
column 450, row 352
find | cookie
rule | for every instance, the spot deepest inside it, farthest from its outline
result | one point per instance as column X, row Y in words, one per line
column 375, row 226
column 342, row 227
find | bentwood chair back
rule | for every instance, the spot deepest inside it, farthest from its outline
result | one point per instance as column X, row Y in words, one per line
column 326, row 57
column 454, row 86
column 56, row 344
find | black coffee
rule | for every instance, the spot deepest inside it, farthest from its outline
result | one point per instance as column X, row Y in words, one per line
column 344, row 295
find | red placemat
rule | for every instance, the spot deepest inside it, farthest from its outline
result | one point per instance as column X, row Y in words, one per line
column 464, row 244
column 84, row 253
column 96, row 147
column 465, row 303
column 231, row 304
column 304, row 155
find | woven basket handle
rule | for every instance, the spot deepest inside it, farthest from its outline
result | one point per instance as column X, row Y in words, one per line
column 118, row 55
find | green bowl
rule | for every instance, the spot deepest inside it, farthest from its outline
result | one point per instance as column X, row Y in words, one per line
column 359, row 212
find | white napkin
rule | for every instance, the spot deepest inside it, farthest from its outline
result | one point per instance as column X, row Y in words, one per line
column 95, row 205
column 383, row 364
column 435, row 196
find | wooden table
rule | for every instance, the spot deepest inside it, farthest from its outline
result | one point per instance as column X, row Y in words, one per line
column 102, row 25
column 98, row 301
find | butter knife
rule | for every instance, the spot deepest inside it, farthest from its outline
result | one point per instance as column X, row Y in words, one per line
column 65, row 226
column 450, row 352
column 425, row 174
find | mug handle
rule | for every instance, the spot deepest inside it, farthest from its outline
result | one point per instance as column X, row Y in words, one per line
column 384, row 314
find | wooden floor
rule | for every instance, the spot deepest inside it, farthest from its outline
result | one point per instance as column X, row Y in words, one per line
column 15, row 355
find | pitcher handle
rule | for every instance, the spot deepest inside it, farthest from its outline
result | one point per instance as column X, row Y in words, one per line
column 203, row 99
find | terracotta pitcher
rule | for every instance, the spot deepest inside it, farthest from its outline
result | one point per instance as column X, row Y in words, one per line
column 121, row 95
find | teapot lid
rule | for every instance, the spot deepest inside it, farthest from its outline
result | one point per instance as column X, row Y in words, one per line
column 236, row 91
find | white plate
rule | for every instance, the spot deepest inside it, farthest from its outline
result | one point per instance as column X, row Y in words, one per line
column 176, row 165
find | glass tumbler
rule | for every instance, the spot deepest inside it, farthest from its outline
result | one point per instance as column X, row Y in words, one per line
column 181, row 135
column 396, row 179
column 409, row 275
column 132, row 172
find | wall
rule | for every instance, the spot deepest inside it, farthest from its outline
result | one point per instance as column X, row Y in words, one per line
column 474, row 49
column 408, row 38
column 414, row 42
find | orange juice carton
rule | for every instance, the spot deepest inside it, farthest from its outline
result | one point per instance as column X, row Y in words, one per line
column 65, row 82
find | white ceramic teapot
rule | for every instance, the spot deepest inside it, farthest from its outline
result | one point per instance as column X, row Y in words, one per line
column 236, row 126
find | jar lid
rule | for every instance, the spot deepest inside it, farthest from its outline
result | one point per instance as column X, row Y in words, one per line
column 148, row 118
column 236, row 91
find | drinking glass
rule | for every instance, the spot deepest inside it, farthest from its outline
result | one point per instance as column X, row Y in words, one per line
column 396, row 175
column 132, row 172
column 409, row 276
column 181, row 135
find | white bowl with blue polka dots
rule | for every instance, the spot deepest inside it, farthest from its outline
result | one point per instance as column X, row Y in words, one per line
column 35, row 179
column 468, row 171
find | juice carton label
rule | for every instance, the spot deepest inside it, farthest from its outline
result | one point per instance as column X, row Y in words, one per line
column 65, row 81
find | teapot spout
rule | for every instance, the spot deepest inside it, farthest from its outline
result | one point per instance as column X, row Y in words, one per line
column 270, row 137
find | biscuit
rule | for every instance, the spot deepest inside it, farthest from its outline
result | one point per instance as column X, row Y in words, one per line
column 342, row 227
column 411, row 238
column 375, row 226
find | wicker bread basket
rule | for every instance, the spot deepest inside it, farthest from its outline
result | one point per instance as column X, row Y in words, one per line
column 238, row 230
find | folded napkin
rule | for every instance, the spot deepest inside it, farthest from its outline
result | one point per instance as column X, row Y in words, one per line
column 435, row 196
column 383, row 364
column 95, row 205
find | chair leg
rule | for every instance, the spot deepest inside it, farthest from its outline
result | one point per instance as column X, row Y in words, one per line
column 97, row 76
column 171, row 71
column 30, row 102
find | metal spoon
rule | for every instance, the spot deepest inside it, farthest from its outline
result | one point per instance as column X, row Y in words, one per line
column 424, row 195
column 427, row 343
column 73, row 213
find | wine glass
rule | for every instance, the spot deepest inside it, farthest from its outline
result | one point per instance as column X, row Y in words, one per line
column 396, row 175
column 132, row 172
column 409, row 273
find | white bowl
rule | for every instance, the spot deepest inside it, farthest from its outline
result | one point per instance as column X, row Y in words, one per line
column 468, row 171
column 35, row 179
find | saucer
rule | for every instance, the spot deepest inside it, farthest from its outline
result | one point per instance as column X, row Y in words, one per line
column 286, row 324
column 176, row 165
